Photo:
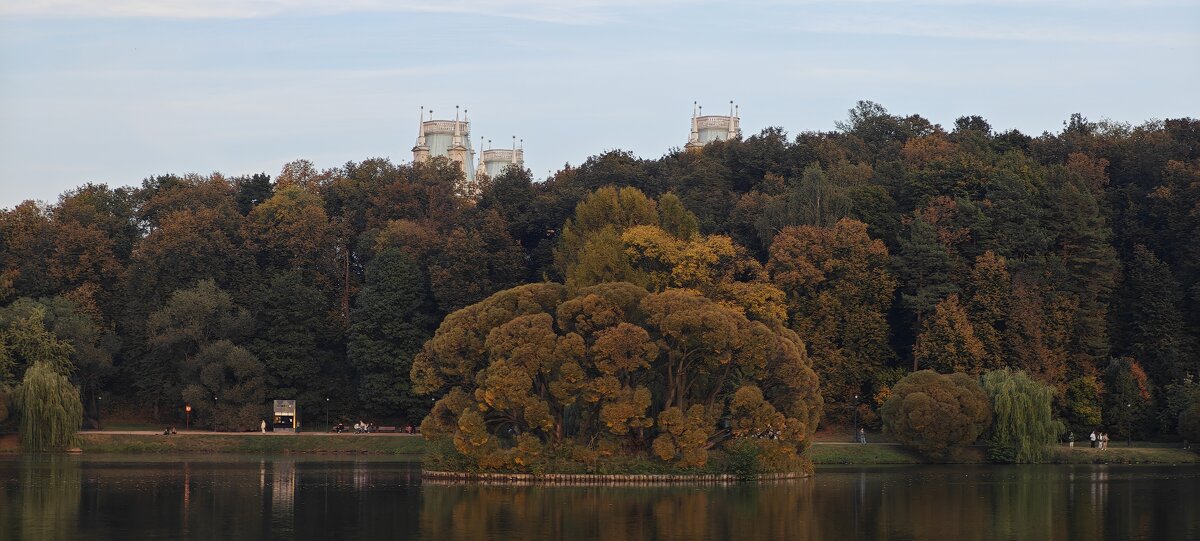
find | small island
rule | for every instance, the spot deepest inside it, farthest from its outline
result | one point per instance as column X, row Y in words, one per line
column 653, row 358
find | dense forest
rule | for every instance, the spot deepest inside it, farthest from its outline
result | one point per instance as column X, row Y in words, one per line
column 896, row 245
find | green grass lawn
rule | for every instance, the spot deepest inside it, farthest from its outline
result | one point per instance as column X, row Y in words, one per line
column 896, row 454
column 132, row 425
column 98, row 442
column 887, row 454
column 1123, row 455
column 863, row 454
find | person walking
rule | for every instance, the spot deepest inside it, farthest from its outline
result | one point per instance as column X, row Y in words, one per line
column 862, row 435
column 1093, row 437
column 262, row 426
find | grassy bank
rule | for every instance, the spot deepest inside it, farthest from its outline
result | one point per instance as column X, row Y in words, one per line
column 895, row 454
column 99, row 442
column 846, row 454
column 1123, row 455
column 863, row 454
column 856, row 454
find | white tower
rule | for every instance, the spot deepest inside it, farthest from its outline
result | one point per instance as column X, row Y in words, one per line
column 493, row 161
column 448, row 138
column 706, row 129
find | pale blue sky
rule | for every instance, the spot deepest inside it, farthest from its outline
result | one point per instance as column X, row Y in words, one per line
column 114, row 91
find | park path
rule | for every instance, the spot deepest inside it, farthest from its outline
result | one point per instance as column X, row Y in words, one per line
column 247, row 434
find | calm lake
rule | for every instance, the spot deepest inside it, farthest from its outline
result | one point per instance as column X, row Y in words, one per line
column 207, row 497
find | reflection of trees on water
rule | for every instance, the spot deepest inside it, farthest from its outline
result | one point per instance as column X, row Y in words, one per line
column 48, row 503
column 61, row 497
column 982, row 503
column 616, row 513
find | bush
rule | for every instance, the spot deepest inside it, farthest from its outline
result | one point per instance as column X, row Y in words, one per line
column 936, row 413
column 1022, row 426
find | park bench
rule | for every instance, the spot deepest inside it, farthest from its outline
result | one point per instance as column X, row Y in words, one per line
column 386, row 429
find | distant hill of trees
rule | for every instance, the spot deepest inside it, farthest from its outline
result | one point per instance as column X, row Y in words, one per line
column 898, row 244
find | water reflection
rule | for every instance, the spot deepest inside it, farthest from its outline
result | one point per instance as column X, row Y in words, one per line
column 63, row 497
column 952, row 503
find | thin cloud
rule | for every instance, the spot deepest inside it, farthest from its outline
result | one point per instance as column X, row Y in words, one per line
column 550, row 11
column 1007, row 30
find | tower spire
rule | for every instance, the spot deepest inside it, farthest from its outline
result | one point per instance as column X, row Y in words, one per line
column 456, row 141
column 731, row 131
column 421, row 128
column 421, row 150
column 694, row 136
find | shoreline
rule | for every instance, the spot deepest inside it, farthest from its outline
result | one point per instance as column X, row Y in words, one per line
column 599, row 479
column 820, row 453
column 102, row 442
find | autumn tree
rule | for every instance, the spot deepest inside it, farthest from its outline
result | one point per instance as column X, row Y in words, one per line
column 613, row 369
column 1129, row 401
column 947, row 342
column 987, row 305
column 936, row 413
column 291, row 230
column 1084, row 267
column 194, row 233
column 1082, row 404
column 676, row 219
column 839, row 289
column 474, row 263
column 589, row 235
column 26, row 241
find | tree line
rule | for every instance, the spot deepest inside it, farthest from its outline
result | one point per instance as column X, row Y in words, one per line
column 888, row 245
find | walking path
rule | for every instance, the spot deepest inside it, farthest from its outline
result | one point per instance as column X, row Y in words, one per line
column 210, row 433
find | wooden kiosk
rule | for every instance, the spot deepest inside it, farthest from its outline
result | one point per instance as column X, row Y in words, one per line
column 285, row 417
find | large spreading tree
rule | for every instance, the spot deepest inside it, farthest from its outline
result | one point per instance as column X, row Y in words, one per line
column 613, row 369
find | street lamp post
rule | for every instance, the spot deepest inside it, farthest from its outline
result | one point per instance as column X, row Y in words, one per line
column 187, row 422
column 1129, row 425
column 327, row 425
column 856, row 419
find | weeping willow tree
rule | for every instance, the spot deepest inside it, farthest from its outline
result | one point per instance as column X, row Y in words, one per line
column 51, row 411
column 1022, row 425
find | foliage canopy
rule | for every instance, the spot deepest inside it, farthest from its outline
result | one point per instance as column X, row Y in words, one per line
column 936, row 413
column 1022, row 425
column 536, row 372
